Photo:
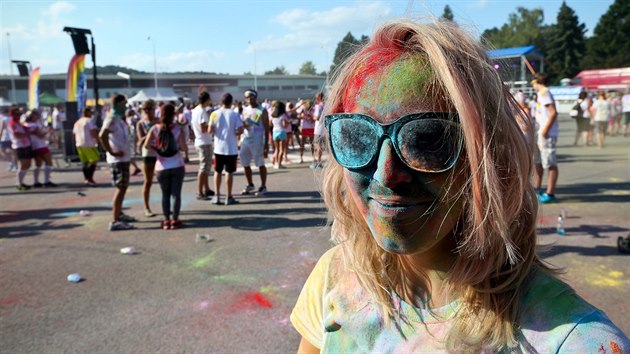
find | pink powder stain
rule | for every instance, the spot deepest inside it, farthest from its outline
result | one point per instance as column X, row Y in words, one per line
column 250, row 300
column 11, row 300
column 202, row 305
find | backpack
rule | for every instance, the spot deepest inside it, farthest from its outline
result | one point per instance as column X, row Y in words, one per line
column 166, row 146
column 576, row 111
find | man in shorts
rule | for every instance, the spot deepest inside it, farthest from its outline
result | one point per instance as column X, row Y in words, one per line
column 203, row 145
column 85, row 135
column 546, row 137
column 225, row 124
column 114, row 137
column 318, row 131
column 254, row 142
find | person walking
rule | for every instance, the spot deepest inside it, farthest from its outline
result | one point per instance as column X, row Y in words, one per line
column 254, row 142
column 114, row 138
column 318, row 131
column 625, row 108
column 547, row 137
column 149, row 158
column 601, row 113
column 203, row 145
column 167, row 139
column 85, row 133
column 225, row 124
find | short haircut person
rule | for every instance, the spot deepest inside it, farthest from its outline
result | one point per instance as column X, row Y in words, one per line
column 227, row 99
column 496, row 236
column 204, row 97
column 117, row 99
column 542, row 78
column 87, row 111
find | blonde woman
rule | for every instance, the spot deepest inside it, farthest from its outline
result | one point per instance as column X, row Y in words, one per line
column 431, row 256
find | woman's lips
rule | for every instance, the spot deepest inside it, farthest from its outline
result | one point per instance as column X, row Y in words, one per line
column 397, row 206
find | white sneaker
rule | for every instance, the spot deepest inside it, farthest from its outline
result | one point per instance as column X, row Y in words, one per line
column 119, row 225
column 249, row 189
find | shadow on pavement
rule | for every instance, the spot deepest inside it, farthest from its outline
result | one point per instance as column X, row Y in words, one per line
column 583, row 251
column 592, row 230
column 39, row 221
column 255, row 223
column 595, row 192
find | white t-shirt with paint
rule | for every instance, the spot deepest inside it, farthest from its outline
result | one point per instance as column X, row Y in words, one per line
column 225, row 122
column 200, row 115
column 118, row 137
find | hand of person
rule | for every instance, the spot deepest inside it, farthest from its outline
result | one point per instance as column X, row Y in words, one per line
column 544, row 133
column 266, row 152
column 118, row 153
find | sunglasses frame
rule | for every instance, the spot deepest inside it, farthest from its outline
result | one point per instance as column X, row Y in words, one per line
column 391, row 131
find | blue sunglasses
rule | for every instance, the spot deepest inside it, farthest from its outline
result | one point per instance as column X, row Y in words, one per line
column 426, row 142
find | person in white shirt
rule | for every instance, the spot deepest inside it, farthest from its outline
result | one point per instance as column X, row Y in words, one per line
column 85, row 135
column 547, row 137
column 203, row 145
column 225, row 124
column 319, row 138
column 114, row 138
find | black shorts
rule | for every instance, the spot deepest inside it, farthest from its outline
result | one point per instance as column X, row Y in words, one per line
column 25, row 153
column 225, row 161
column 149, row 162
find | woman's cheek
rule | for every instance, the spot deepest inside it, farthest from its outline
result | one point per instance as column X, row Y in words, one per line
column 358, row 186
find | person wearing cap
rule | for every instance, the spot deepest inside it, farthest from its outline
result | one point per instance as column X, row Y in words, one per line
column 225, row 124
column 254, row 142
column 203, row 144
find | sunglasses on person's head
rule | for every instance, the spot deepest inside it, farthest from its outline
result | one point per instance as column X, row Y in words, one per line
column 425, row 142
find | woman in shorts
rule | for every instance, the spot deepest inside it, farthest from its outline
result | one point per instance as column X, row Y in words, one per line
column 280, row 122
column 41, row 152
column 149, row 156
column 21, row 145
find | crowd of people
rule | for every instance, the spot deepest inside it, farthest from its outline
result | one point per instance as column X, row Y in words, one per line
column 158, row 134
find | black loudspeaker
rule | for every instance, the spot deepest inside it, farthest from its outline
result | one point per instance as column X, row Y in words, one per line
column 80, row 43
column 23, row 69
column 72, row 115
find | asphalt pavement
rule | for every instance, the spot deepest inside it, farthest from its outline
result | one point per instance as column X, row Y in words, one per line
column 226, row 283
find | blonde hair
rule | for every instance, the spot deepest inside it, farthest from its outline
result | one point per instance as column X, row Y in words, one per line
column 496, row 233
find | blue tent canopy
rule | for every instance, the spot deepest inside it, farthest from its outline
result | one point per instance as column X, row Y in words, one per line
column 513, row 52
column 509, row 59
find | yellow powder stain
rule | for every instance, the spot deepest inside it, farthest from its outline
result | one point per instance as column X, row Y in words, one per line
column 615, row 179
column 619, row 192
column 603, row 281
column 615, row 274
column 612, row 278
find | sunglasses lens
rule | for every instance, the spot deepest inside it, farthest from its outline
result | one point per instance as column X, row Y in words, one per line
column 429, row 145
column 354, row 142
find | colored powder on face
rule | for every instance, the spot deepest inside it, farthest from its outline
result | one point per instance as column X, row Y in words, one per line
column 615, row 348
column 386, row 89
column 362, row 74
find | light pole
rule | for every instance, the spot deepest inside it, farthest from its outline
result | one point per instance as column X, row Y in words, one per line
column 125, row 76
column 255, row 76
column 11, row 71
column 154, row 66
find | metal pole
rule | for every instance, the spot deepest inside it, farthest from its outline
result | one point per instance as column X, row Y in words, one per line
column 155, row 68
column 255, row 75
column 96, row 105
column 11, row 71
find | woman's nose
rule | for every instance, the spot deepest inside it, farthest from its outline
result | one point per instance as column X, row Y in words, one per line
column 390, row 170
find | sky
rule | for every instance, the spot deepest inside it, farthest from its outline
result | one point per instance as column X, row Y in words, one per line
column 230, row 37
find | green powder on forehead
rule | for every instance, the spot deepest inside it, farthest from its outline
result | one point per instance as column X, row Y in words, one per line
column 400, row 80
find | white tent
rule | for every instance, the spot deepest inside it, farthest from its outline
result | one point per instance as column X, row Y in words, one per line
column 162, row 94
column 4, row 102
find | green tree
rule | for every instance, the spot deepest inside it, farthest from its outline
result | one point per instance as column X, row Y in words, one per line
column 609, row 47
column 308, row 68
column 524, row 27
column 279, row 70
column 448, row 14
column 345, row 48
column 565, row 45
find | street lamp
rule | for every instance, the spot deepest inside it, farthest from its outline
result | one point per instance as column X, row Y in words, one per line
column 125, row 76
column 255, row 76
column 154, row 66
